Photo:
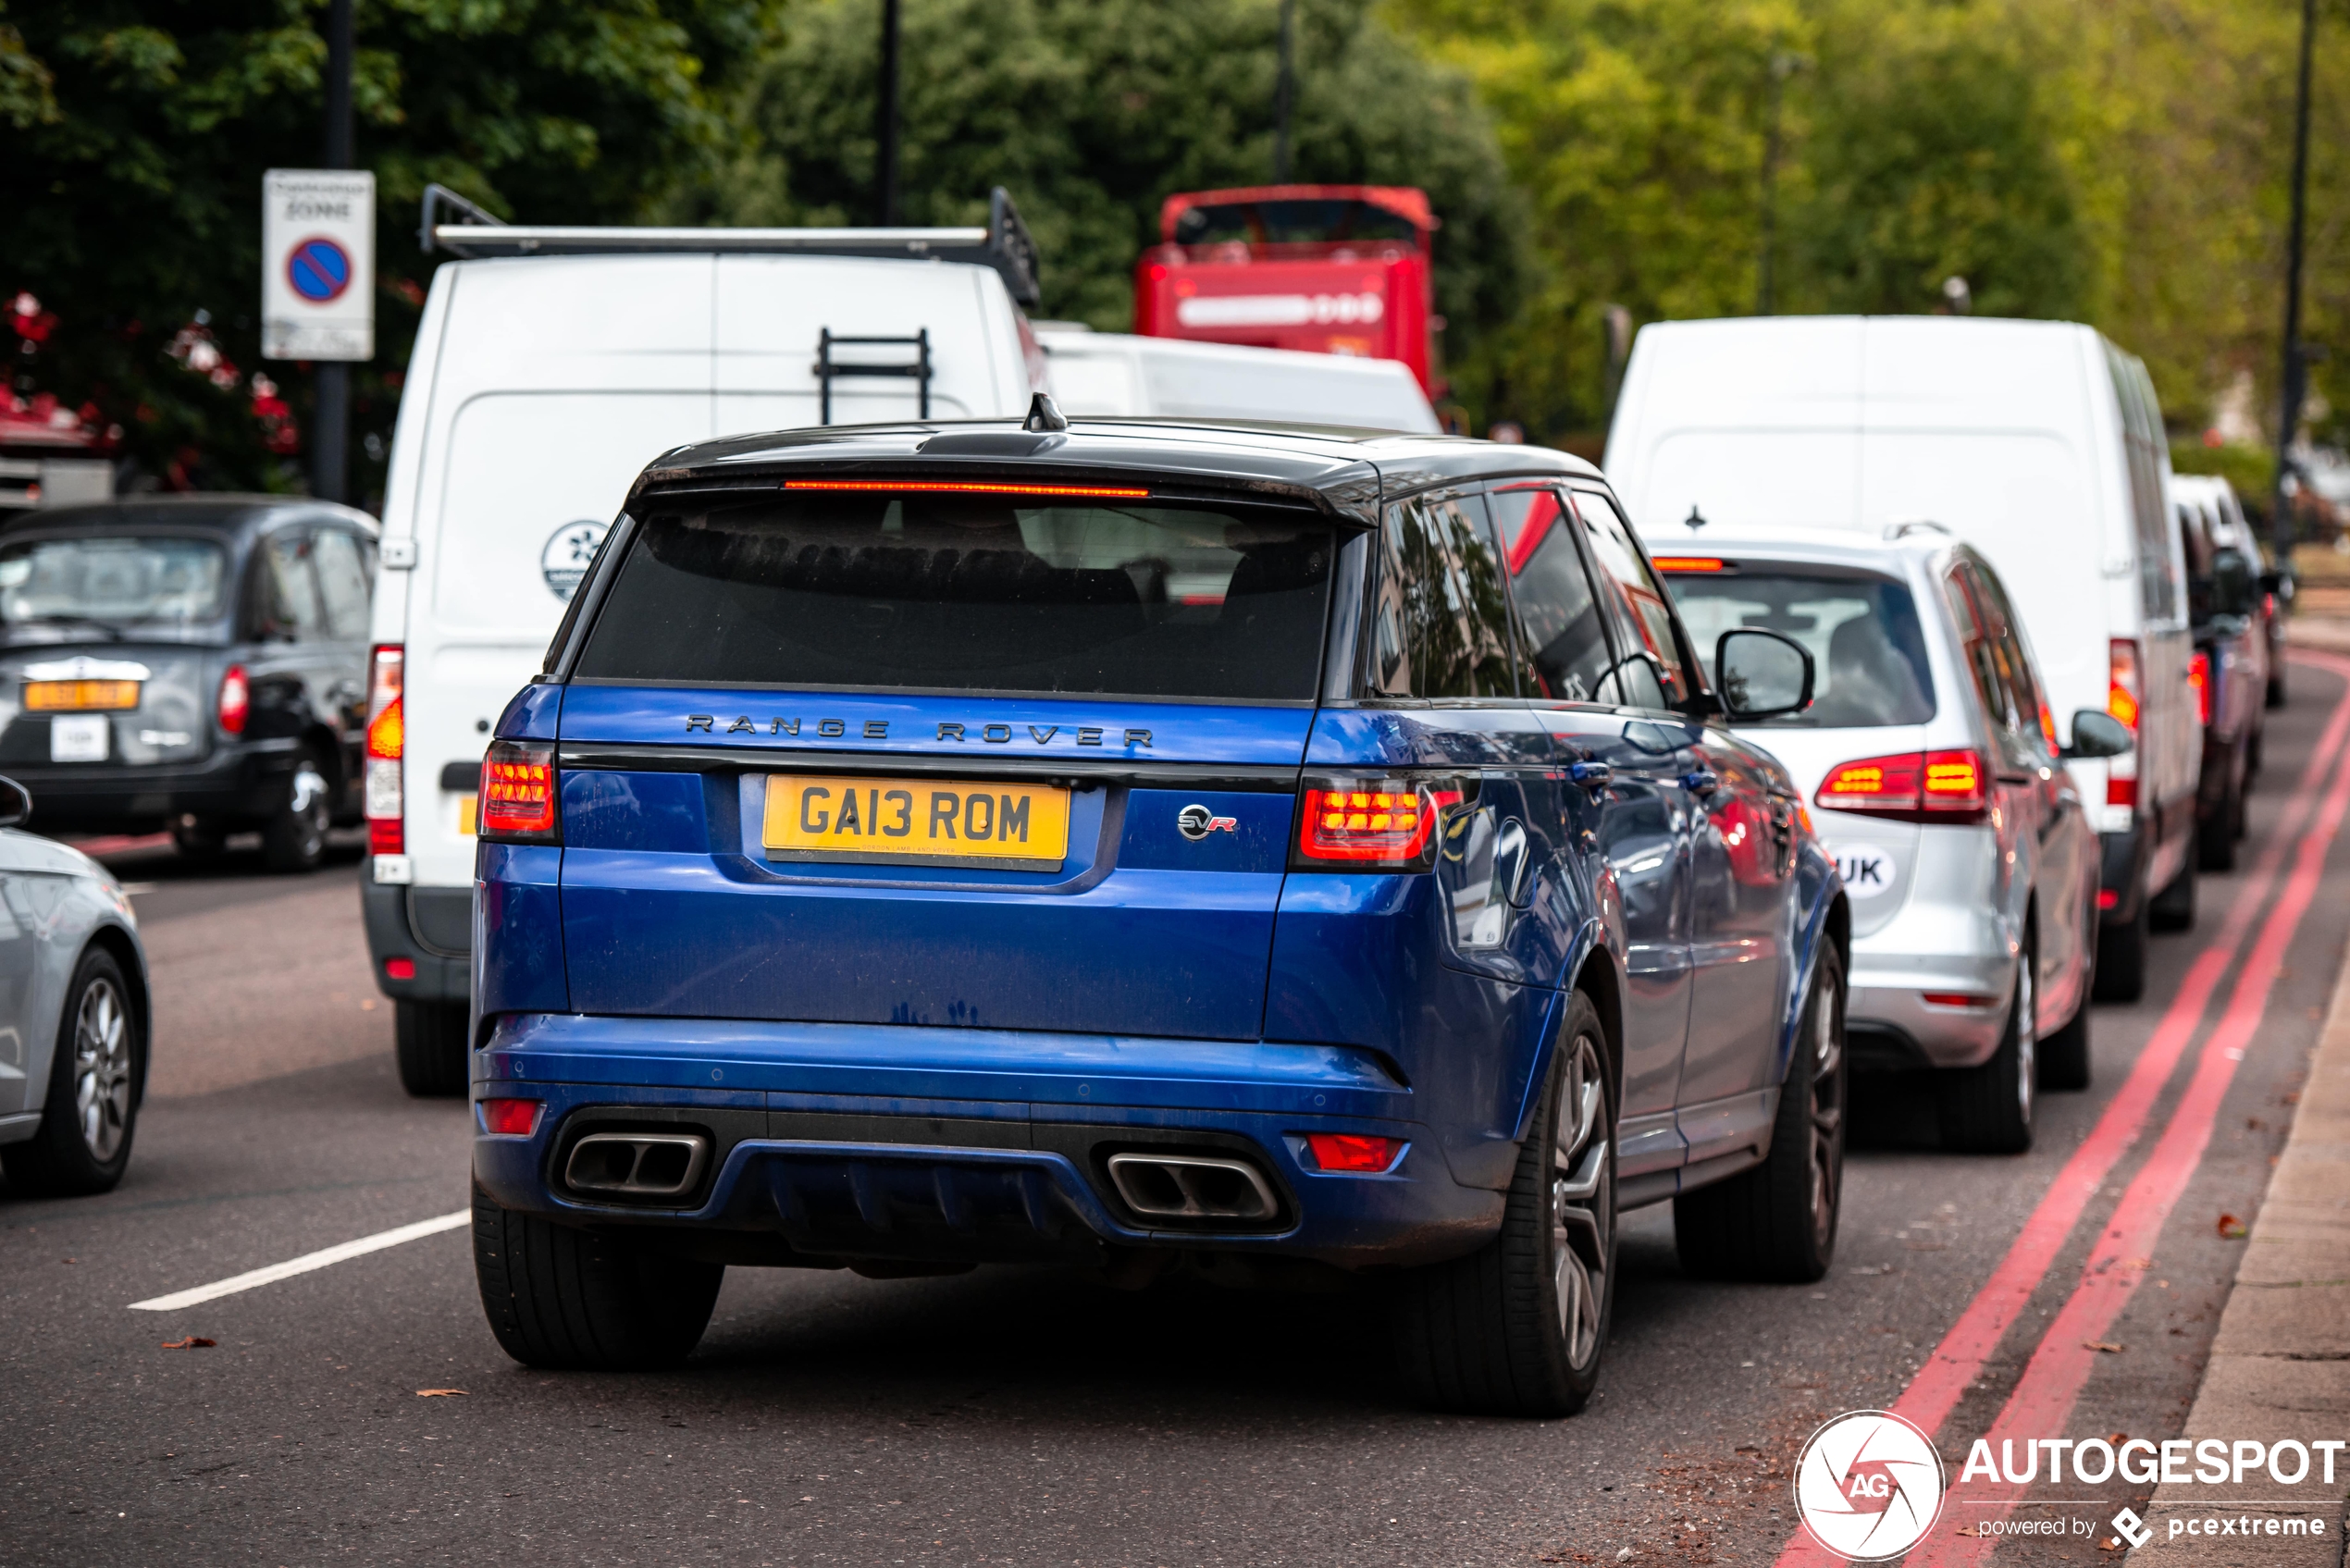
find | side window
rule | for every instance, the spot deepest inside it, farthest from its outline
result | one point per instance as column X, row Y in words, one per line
column 342, row 584
column 2035, row 725
column 1972, row 611
column 289, row 594
column 1431, row 637
column 1643, row 615
column 1561, row 635
column 1485, row 593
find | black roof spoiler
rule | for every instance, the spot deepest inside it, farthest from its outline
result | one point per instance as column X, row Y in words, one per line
column 1004, row 244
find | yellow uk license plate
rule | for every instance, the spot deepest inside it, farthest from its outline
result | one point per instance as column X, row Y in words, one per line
column 79, row 697
column 1013, row 827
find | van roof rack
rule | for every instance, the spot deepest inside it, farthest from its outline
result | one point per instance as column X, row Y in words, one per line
column 1003, row 245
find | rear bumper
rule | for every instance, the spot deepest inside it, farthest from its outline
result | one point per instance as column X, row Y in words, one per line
column 240, row 782
column 846, row 1143
column 399, row 928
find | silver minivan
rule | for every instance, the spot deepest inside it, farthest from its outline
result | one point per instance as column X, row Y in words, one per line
column 1935, row 774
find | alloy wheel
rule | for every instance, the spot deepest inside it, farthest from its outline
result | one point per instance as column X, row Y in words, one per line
column 102, row 1070
column 1582, row 1204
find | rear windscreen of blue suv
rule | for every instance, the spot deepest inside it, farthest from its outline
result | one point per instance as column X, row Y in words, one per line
column 971, row 593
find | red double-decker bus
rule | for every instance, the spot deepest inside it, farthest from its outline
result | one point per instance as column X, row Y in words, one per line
column 1339, row 269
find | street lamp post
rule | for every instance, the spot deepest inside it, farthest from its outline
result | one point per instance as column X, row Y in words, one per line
column 1284, row 91
column 2296, row 365
column 1784, row 64
column 330, row 385
column 885, row 123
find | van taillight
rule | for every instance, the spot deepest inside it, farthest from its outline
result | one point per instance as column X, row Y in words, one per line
column 2124, row 690
column 1386, row 825
column 1911, row 786
column 2199, row 677
column 2123, row 693
column 235, row 704
column 386, row 744
column 518, row 793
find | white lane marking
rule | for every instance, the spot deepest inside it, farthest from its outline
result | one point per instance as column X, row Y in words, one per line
column 306, row 1263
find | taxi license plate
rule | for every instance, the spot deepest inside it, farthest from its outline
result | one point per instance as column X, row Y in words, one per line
column 1013, row 827
column 79, row 697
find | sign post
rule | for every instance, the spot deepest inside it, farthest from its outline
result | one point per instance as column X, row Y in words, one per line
column 318, row 265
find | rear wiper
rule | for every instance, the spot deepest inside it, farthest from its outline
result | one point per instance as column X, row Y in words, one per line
column 113, row 632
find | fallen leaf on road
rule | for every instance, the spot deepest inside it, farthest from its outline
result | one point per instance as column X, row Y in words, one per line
column 2230, row 1228
column 2108, row 1346
column 190, row 1344
column 1966, row 1529
column 2112, row 1543
column 2117, row 1439
column 437, row 1393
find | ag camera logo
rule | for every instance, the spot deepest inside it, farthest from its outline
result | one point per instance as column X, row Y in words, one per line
column 1869, row 1486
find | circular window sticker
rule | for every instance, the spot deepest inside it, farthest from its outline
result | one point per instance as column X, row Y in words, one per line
column 565, row 559
column 1869, row 1486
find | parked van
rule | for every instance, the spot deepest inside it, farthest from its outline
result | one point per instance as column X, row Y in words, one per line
column 549, row 370
column 1116, row 375
column 2040, row 444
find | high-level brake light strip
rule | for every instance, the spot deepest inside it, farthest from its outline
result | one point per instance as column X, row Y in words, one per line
column 322, row 1258
column 1959, row 1360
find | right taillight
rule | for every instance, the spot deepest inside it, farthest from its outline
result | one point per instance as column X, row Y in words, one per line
column 2124, row 696
column 1371, row 824
column 235, row 702
column 386, row 744
column 518, row 793
column 1911, row 786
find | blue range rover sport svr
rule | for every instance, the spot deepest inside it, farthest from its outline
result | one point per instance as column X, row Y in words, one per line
column 1149, row 847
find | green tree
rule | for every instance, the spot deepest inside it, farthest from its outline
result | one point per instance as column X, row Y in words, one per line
column 1092, row 111
column 1931, row 151
column 140, row 129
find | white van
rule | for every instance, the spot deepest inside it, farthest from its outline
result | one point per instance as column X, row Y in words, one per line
column 548, row 371
column 1117, row 375
column 2039, row 443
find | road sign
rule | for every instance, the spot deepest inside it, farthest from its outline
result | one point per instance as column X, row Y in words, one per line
column 317, row 265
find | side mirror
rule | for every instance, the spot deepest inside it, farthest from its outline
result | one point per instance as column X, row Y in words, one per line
column 15, row 804
column 1762, row 673
column 2234, row 586
column 2098, row 733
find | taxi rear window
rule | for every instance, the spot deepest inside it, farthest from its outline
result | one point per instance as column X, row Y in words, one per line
column 970, row 593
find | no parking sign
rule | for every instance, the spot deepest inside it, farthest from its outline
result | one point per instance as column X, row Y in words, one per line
column 318, row 265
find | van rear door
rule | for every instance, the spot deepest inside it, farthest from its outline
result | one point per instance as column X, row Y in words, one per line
column 873, row 752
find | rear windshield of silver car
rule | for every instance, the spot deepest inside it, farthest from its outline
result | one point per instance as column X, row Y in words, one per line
column 953, row 592
column 110, row 582
column 1868, row 654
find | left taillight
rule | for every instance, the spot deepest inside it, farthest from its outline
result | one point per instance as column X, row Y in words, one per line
column 518, row 793
column 1948, row 788
column 234, row 704
column 387, row 745
column 1371, row 824
column 2199, row 677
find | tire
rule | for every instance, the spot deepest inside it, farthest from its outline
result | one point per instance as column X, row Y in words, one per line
column 1987, row 1109
column 2276, row 683
column 2215, row 845
column 2256, row 752
column 1777, row 1222
column 2173, row 907
column 97, row 1074
column 2121, row 958
column 429, row 1039
column 1518, row 1327
column 586, row 1300
column 197, row 839
column 294, row 838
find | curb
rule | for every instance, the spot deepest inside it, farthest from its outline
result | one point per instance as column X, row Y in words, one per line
column 2280, row 1366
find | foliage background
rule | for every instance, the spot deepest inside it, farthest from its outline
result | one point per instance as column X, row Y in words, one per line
column 2117, row 161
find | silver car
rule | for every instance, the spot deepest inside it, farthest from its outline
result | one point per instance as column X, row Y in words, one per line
column 1934, row 771
column 73, row 1014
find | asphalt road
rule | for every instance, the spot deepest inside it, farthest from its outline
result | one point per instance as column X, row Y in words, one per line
column 1007, row 1415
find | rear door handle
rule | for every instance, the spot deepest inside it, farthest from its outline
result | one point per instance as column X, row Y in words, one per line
column 1591, row 775
column 1705, row 781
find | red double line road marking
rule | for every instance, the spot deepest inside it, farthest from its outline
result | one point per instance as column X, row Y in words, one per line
column 2052, row 1381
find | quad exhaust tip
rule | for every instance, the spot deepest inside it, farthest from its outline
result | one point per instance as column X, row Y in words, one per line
column 636, row 1165
column 1193, row 1187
